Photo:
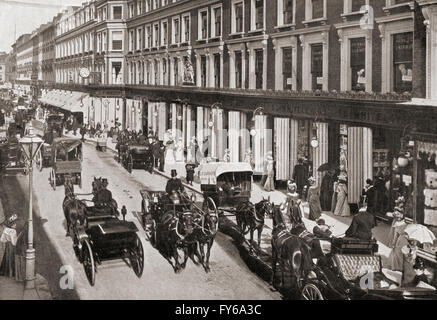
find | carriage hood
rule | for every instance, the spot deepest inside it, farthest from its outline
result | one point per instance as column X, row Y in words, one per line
column 209, row 172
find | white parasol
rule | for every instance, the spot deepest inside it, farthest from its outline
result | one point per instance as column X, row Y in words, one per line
column 420, row 233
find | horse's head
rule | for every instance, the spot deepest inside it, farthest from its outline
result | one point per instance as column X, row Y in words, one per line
column 278, row 220
column 265, row 207
column 186, row 221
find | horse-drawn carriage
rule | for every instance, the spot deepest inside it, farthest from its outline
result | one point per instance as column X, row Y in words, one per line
column 101, row 144
column 134, row 156
column 353, row 270
column 66, row 159
column 180, row 223
column 228, row 184
column 11, row 156
column 99, row 235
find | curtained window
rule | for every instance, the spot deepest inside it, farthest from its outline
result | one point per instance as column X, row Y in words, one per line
column 317, row 66
column 403, row 62
column 358, row 63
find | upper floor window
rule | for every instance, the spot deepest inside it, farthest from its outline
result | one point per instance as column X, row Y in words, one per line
column 164, row 2
column 99, row 15
column 164, row 33
column 155, row 4
column 203, row 24
column 176, row 31
column 237, row 16
column 286, row 12
column 358, row 63
column 148, row 37
column 315, row 9
column 117, row 40
column 156, row 35
column 139, row 38
column 186, row 28
column 238, row 69
column 131, row 40
column 216, row 21
column 357, row 4
column 148, row 5
column 257, row 12
column 402, row 62
column 139, row 7
column 259, row 68
column 317, row 66
column 105, row 14
column 287, row 66
column 117, row 12
column 131, row 10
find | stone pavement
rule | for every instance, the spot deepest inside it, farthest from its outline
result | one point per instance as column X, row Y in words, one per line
column 339, row 224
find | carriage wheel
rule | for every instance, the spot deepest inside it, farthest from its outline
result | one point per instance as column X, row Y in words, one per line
column 311, row 292
column 39, row 160
column 130, row 164
column 88, row 261
column 137, row 257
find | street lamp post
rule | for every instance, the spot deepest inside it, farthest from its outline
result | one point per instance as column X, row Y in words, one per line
column 30, row 145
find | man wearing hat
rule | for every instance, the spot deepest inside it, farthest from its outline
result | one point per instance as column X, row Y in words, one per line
column 9, row 238
column 174, row 184
column 104, row 196
column 361, row 226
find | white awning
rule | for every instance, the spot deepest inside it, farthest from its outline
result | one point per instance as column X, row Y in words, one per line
column 209, row 172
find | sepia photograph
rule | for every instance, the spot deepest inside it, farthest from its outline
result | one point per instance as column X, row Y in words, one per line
column 220, row 155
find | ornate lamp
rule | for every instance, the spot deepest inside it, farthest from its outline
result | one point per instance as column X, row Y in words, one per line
column 257, row 111
column 30, row 144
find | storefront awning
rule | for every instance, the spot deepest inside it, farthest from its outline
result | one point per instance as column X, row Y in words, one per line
column 74, row 102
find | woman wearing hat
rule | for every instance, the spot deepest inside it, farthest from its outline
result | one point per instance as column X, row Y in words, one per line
column 314, row 200
column 292, row 204
column 342, row 206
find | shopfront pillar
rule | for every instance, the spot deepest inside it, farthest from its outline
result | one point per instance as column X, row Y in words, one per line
column 262, row 142
column 367, row 154
column 217, row 133
column 162, row 119
column 234, row 135
column 294, row 136
column 320, row 154
column 355, row 163
column 200, row 126
column 174, row 115
column 244, row 136
column 282, row 142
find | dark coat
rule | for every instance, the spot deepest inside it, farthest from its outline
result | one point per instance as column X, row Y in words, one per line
column 326, row 192
column 174, row 185
column 190, row 171
column 300, row 176
column 104, row 196
column 361, row 226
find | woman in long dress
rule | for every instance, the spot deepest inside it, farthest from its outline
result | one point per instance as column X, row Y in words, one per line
column 270, row 183
column 342, row 207
column 314, row 200
column 180, row 151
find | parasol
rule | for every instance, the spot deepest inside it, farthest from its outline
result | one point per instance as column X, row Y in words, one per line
column 420, row 233
column 325, row 167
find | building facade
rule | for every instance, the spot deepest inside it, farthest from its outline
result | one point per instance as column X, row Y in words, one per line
column 24, row 61
column 3, row 66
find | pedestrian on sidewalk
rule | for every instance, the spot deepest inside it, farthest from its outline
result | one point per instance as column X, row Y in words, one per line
column 189, row 167
column 327, row 190
column 161, row 155
column 314, row 200
column 342, row 207
column 265, row 169
column 83, row 132
column 300, row 175
column 9, row 238
column 269, row 185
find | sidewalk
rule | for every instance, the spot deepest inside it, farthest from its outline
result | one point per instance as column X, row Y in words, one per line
column 10, row 289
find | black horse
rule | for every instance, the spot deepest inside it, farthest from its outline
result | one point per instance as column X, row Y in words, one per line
column 292, row 252
column 205, row 232
column 175, row 233
column 74, row 209
column 251, row 217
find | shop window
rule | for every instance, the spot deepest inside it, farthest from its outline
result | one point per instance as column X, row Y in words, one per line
column 358, row 63
column 238, row 69
column 259, row 67
column 317, row 66
column 287, row 55
column 203, row 71
column 403, row 62
column 217, row 70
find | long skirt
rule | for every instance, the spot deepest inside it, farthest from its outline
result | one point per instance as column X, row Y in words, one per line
column 270, row 184
column 7, row 266
column 342, row 208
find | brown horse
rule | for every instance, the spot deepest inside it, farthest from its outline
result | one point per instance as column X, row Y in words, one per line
column 74, row 209
column 290, row 251
column 251, row 217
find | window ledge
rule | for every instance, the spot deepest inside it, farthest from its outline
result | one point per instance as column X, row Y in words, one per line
column 256, row 30
column 216, row 38
column 289, row 25
column 236, row 34
column 321, row 20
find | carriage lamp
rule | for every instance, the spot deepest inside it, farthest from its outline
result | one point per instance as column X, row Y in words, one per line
column 30, row 145
column 314, row 139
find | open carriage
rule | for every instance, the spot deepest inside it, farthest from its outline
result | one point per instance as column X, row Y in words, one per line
column 227, row 184
column 66, row 157
column 100, row 236
column 352, row 270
